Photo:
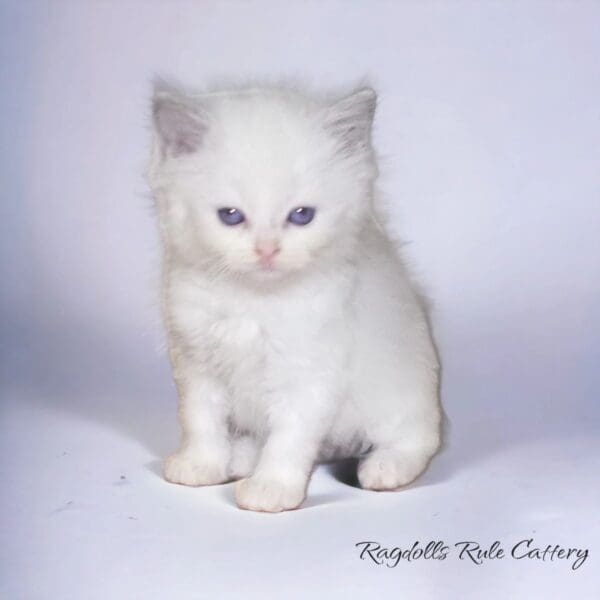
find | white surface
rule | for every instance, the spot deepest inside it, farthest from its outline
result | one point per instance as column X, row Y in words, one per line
column 489, row 129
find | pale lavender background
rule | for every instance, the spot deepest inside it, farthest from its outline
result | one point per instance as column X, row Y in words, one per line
column 489, row 133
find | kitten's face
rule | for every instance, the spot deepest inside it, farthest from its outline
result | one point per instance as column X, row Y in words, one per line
column 262, row 184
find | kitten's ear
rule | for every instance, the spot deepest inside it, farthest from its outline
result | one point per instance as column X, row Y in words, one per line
column 179, row 121
column 351, row 118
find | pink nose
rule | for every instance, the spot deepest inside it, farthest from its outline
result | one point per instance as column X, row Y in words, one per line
column 266, row 251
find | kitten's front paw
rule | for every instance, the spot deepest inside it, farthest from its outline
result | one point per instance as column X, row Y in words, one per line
column 388, row 470
column 269, row 495
column 189, row 468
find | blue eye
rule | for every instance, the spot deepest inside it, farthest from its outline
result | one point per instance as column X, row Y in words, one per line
column 231, row 216
column 302, row 215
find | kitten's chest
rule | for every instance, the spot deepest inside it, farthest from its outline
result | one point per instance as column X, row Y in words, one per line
column 239, row 338
column 251, row 342
column 240, row 350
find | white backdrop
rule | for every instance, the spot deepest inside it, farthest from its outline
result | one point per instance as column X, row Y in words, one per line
column 488, row 128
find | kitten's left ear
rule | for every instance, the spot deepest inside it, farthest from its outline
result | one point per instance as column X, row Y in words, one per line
column 350, row 119
column 179, row 121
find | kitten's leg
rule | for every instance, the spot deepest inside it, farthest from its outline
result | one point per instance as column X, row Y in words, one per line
column 281, row 476
column 280, row 479
column 403, row 445
column 244, row 455
column 205, row 449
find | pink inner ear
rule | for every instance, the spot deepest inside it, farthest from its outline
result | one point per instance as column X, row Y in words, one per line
column 185, row 144
column 179, row 127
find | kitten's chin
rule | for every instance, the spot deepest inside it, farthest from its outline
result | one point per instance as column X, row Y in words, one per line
column 268, row 276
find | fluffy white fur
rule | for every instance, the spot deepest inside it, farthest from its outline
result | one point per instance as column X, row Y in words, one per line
column 324, row 353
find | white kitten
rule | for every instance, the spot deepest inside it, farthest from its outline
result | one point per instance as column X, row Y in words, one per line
column 294, row 332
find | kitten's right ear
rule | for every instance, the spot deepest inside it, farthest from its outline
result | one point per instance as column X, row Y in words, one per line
column 179, row 121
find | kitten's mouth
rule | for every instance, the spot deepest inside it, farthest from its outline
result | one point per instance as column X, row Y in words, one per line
column 270, row 274
column 266, row 265
column 268, row 270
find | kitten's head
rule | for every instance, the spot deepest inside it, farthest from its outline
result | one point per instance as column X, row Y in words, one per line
column 262, row 183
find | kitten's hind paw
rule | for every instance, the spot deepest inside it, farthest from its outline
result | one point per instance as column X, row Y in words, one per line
column 388, row 470
column 268, row 495
column 187, row 468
